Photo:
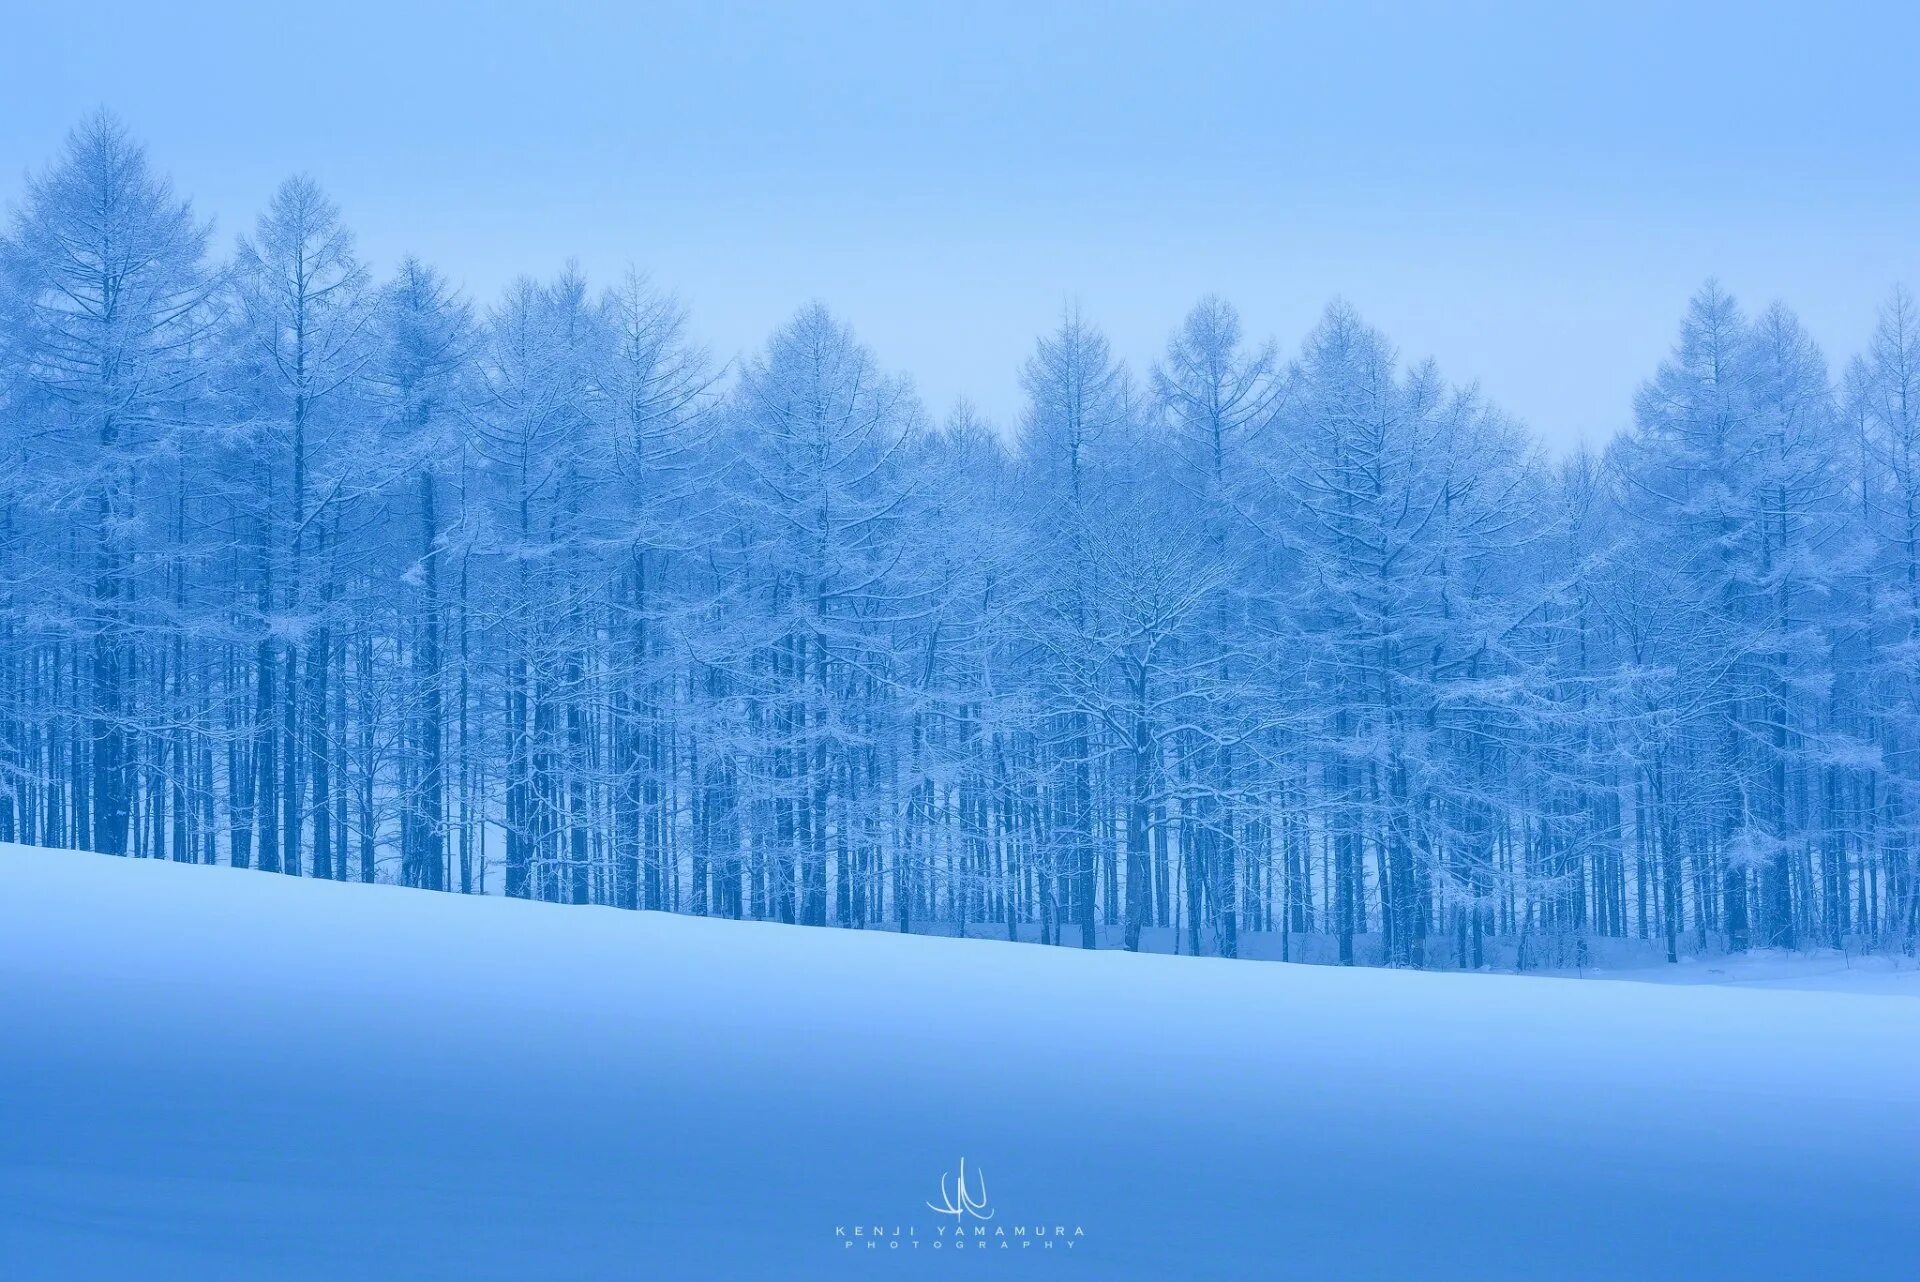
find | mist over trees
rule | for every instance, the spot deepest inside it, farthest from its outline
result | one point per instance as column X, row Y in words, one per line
column 345, row 576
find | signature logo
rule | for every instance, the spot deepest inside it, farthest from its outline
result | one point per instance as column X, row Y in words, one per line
column 964, row 1197
column 960, row 1201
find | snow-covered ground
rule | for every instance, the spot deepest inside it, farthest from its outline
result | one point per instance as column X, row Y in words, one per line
column 1818, row 971
column 214, row 1074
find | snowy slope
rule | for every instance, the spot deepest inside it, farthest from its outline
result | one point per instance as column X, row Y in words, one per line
column 207, row 1073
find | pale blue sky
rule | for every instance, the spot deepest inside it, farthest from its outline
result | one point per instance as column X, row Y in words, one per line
column 1527, row 193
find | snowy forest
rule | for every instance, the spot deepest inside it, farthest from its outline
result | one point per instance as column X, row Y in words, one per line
column 1301, row 652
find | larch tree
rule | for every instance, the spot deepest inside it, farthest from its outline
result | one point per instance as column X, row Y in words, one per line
column 299, row 315
column 109, row 301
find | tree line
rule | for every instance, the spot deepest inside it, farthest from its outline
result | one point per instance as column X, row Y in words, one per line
column 1306, row 654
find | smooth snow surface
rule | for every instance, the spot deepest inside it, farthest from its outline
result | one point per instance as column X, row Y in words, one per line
column 216, row 1074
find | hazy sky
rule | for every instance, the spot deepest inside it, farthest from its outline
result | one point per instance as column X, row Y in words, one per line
column 1527, row 193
